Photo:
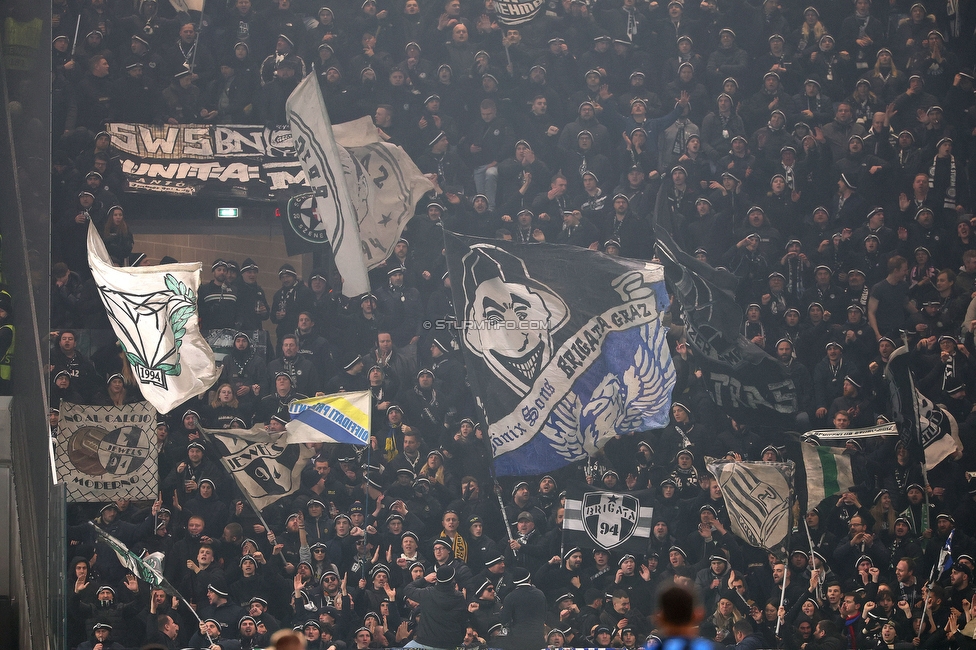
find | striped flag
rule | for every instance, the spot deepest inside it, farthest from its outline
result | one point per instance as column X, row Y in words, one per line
column 344, row 418
column 608, row 520
column 758, row 498
column 828, row 472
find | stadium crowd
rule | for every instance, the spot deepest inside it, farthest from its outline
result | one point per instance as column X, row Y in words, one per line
column 822, row 154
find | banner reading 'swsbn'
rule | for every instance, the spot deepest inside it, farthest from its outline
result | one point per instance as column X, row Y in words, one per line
column 235, row 161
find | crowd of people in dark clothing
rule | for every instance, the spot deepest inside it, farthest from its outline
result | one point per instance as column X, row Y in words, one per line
column 822, row 154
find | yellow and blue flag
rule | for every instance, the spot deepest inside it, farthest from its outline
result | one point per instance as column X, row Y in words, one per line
column 343, row 418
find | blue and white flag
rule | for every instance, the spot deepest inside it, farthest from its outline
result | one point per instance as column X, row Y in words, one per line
column 564, row 347
column 343, row 418
column 945, row 555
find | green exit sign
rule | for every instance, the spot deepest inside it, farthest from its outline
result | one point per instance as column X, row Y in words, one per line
column 228, row 213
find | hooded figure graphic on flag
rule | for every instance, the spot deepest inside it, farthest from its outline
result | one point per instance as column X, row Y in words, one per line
column 510, row 317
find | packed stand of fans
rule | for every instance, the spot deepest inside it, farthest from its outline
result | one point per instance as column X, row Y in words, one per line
column 822, row 154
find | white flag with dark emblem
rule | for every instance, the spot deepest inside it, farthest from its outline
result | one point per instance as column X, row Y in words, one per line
column 516, row 12
column 757, row 496
column 266, row 466
column 153, row 310
column 334, row 218
column 608, row 520
column 103, row 453
column 385, row 186
column 362, row 190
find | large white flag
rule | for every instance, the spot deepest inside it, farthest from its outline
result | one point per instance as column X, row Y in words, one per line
column 153, row 310
column 334, row 217
column 757, row 496
column 384, row 183
column 187, row 5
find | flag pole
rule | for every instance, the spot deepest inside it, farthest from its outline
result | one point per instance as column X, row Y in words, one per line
column 74, row 43
column 196, row 43
column 820, row 576
column 786, row 573
column 160, row 581
column 925, row 603
column 247, row 497
column 494, row 478
column 782, row 595
column 926, row 513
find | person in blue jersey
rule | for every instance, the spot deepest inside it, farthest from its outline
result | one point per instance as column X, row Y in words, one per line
column 678, row 614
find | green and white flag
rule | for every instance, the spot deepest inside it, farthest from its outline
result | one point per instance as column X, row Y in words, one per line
column 147, row 572
column 153, row 310
column 828, row 472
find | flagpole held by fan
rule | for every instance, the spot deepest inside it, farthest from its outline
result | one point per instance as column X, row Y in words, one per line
column 74, row 43
column 782, row 595
column 927, row 511
column 494, row 478
column 821, row 576
column 250, row 501
column 147, row 573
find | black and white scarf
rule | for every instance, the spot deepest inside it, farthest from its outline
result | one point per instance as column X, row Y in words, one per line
column 949, row 200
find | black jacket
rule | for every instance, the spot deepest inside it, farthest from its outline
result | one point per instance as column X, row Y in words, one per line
column 524, row 614
column 445, row 613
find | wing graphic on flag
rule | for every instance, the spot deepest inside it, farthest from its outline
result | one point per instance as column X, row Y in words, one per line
column 563, row 342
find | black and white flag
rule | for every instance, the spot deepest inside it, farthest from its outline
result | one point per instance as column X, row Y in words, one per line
column 103, row 453
column 564, row 347
column 749, row 384
column 516, row 12
column 757, row 496
column 266, row 466
column 618, row 521
column 927, row 430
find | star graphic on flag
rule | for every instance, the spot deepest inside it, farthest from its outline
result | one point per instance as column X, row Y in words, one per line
column 387, row 218
column 612, row 499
